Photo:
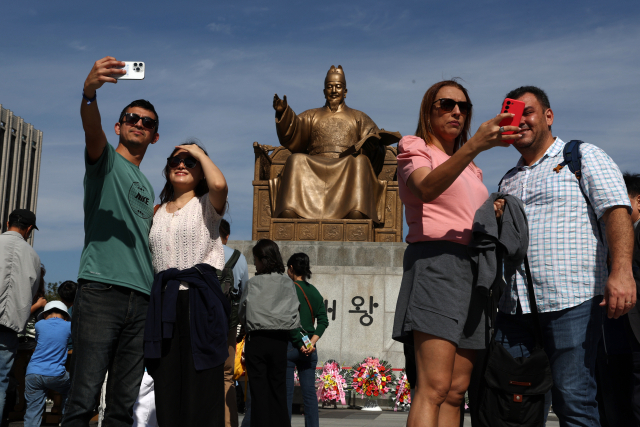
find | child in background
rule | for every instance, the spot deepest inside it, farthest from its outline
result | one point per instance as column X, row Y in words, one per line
column 67, row 292
column 27, row 343
column 46, row 369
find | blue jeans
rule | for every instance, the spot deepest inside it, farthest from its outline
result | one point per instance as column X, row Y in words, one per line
column 35, row 395
column 571, row 339
column 8, row 348
column 307, row 373
column 107, row 330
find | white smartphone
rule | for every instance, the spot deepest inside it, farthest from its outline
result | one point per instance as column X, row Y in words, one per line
column 134, row 69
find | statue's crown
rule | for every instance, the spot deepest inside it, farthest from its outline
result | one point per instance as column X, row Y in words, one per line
column 336, row 71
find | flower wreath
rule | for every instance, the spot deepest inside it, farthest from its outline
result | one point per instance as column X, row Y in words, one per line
column 332, row 382
column 403, row 392
column 372, row 377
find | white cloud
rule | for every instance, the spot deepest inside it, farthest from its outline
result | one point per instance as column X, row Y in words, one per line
column 78, row 46
column 219, row 28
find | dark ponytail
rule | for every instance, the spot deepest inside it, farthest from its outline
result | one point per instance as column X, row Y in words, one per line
column 300, row 264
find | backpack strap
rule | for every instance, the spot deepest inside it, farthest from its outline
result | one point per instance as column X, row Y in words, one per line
column 533, row 306
column 313, row 319
column 233, row 260
column 225, row 275
column 573, row 159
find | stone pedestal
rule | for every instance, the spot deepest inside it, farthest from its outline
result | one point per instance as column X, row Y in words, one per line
column 360, row 282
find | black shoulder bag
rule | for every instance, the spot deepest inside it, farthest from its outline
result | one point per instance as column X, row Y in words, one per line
column 513, row 393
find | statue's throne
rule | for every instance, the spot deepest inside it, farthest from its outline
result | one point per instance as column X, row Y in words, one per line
column 269, row 163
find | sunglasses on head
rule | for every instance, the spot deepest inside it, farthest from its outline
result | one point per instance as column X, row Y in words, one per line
column 133, row 118
column 448, row 105
column 189, row 162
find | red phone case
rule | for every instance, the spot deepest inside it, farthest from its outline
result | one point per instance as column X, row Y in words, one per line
column 514, row 107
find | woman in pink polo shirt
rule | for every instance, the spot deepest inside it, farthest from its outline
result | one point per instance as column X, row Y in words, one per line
column 442, row 188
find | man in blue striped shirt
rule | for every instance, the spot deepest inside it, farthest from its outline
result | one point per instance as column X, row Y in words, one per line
column 570, row 237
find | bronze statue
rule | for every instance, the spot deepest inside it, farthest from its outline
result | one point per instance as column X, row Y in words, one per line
column 337, row 154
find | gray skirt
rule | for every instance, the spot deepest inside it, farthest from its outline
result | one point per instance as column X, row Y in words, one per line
column 437, row 296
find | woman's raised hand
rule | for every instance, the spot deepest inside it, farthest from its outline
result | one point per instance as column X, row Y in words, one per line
column 194, row 150
column 489, row 134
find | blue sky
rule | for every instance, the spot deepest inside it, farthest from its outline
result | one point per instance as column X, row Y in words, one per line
column 213, row 67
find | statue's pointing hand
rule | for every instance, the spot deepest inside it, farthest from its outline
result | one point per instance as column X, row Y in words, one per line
column 280, row 105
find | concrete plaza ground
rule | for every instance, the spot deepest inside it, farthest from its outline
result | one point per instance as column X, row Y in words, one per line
column 358, row 418
column 351, row 418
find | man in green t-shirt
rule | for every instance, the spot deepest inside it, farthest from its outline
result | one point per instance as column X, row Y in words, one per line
column 116, row 273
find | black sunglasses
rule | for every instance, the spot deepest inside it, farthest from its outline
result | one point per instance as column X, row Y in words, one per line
column 189, row 162
column 449, row 104
column 133, row 118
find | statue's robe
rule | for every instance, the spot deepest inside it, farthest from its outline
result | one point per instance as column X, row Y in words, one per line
column 330, row 173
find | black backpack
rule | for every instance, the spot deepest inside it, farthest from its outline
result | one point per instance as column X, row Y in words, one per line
column 512, row 391
column 227, row 284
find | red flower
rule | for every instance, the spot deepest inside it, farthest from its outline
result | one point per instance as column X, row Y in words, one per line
column 368, row 393
column 382, row 368
column 375, row 393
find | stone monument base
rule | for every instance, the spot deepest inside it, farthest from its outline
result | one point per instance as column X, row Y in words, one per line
column 360, row 282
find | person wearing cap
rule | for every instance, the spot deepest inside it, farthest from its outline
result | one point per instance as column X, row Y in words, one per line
column 46, row 370
column 19, row 280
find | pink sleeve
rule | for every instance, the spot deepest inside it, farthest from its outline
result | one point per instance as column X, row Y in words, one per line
column 479, row 173
column 413, row 153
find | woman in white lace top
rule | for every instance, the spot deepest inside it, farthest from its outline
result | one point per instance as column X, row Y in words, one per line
column 185, row 233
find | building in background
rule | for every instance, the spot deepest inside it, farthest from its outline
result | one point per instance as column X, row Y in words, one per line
column 20, row 152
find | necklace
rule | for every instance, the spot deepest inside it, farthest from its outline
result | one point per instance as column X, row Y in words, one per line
column 176, row 206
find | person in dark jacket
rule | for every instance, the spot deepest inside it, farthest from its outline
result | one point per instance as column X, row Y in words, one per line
column 299, row 355
column 185, row 338
column 268, row 311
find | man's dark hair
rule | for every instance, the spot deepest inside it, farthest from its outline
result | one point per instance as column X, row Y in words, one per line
column 268, row 253
column 17, row 224
column 632, row 181
column 540, row 95
column 225, row 228
column 300, row 264
column 67, row 291
column 142, row 103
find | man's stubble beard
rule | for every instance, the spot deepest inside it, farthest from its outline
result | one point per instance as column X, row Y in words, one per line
column 131, row 145
column 537, row 141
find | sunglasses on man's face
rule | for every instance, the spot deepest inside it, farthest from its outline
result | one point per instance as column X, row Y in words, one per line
column 189, row 162
column 448, row 105
column 133, row 118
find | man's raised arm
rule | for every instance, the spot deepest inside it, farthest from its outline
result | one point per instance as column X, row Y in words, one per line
column 94, row 135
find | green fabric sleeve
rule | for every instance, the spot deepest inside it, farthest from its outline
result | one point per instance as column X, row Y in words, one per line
column 296, row 337
column 321, row 317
